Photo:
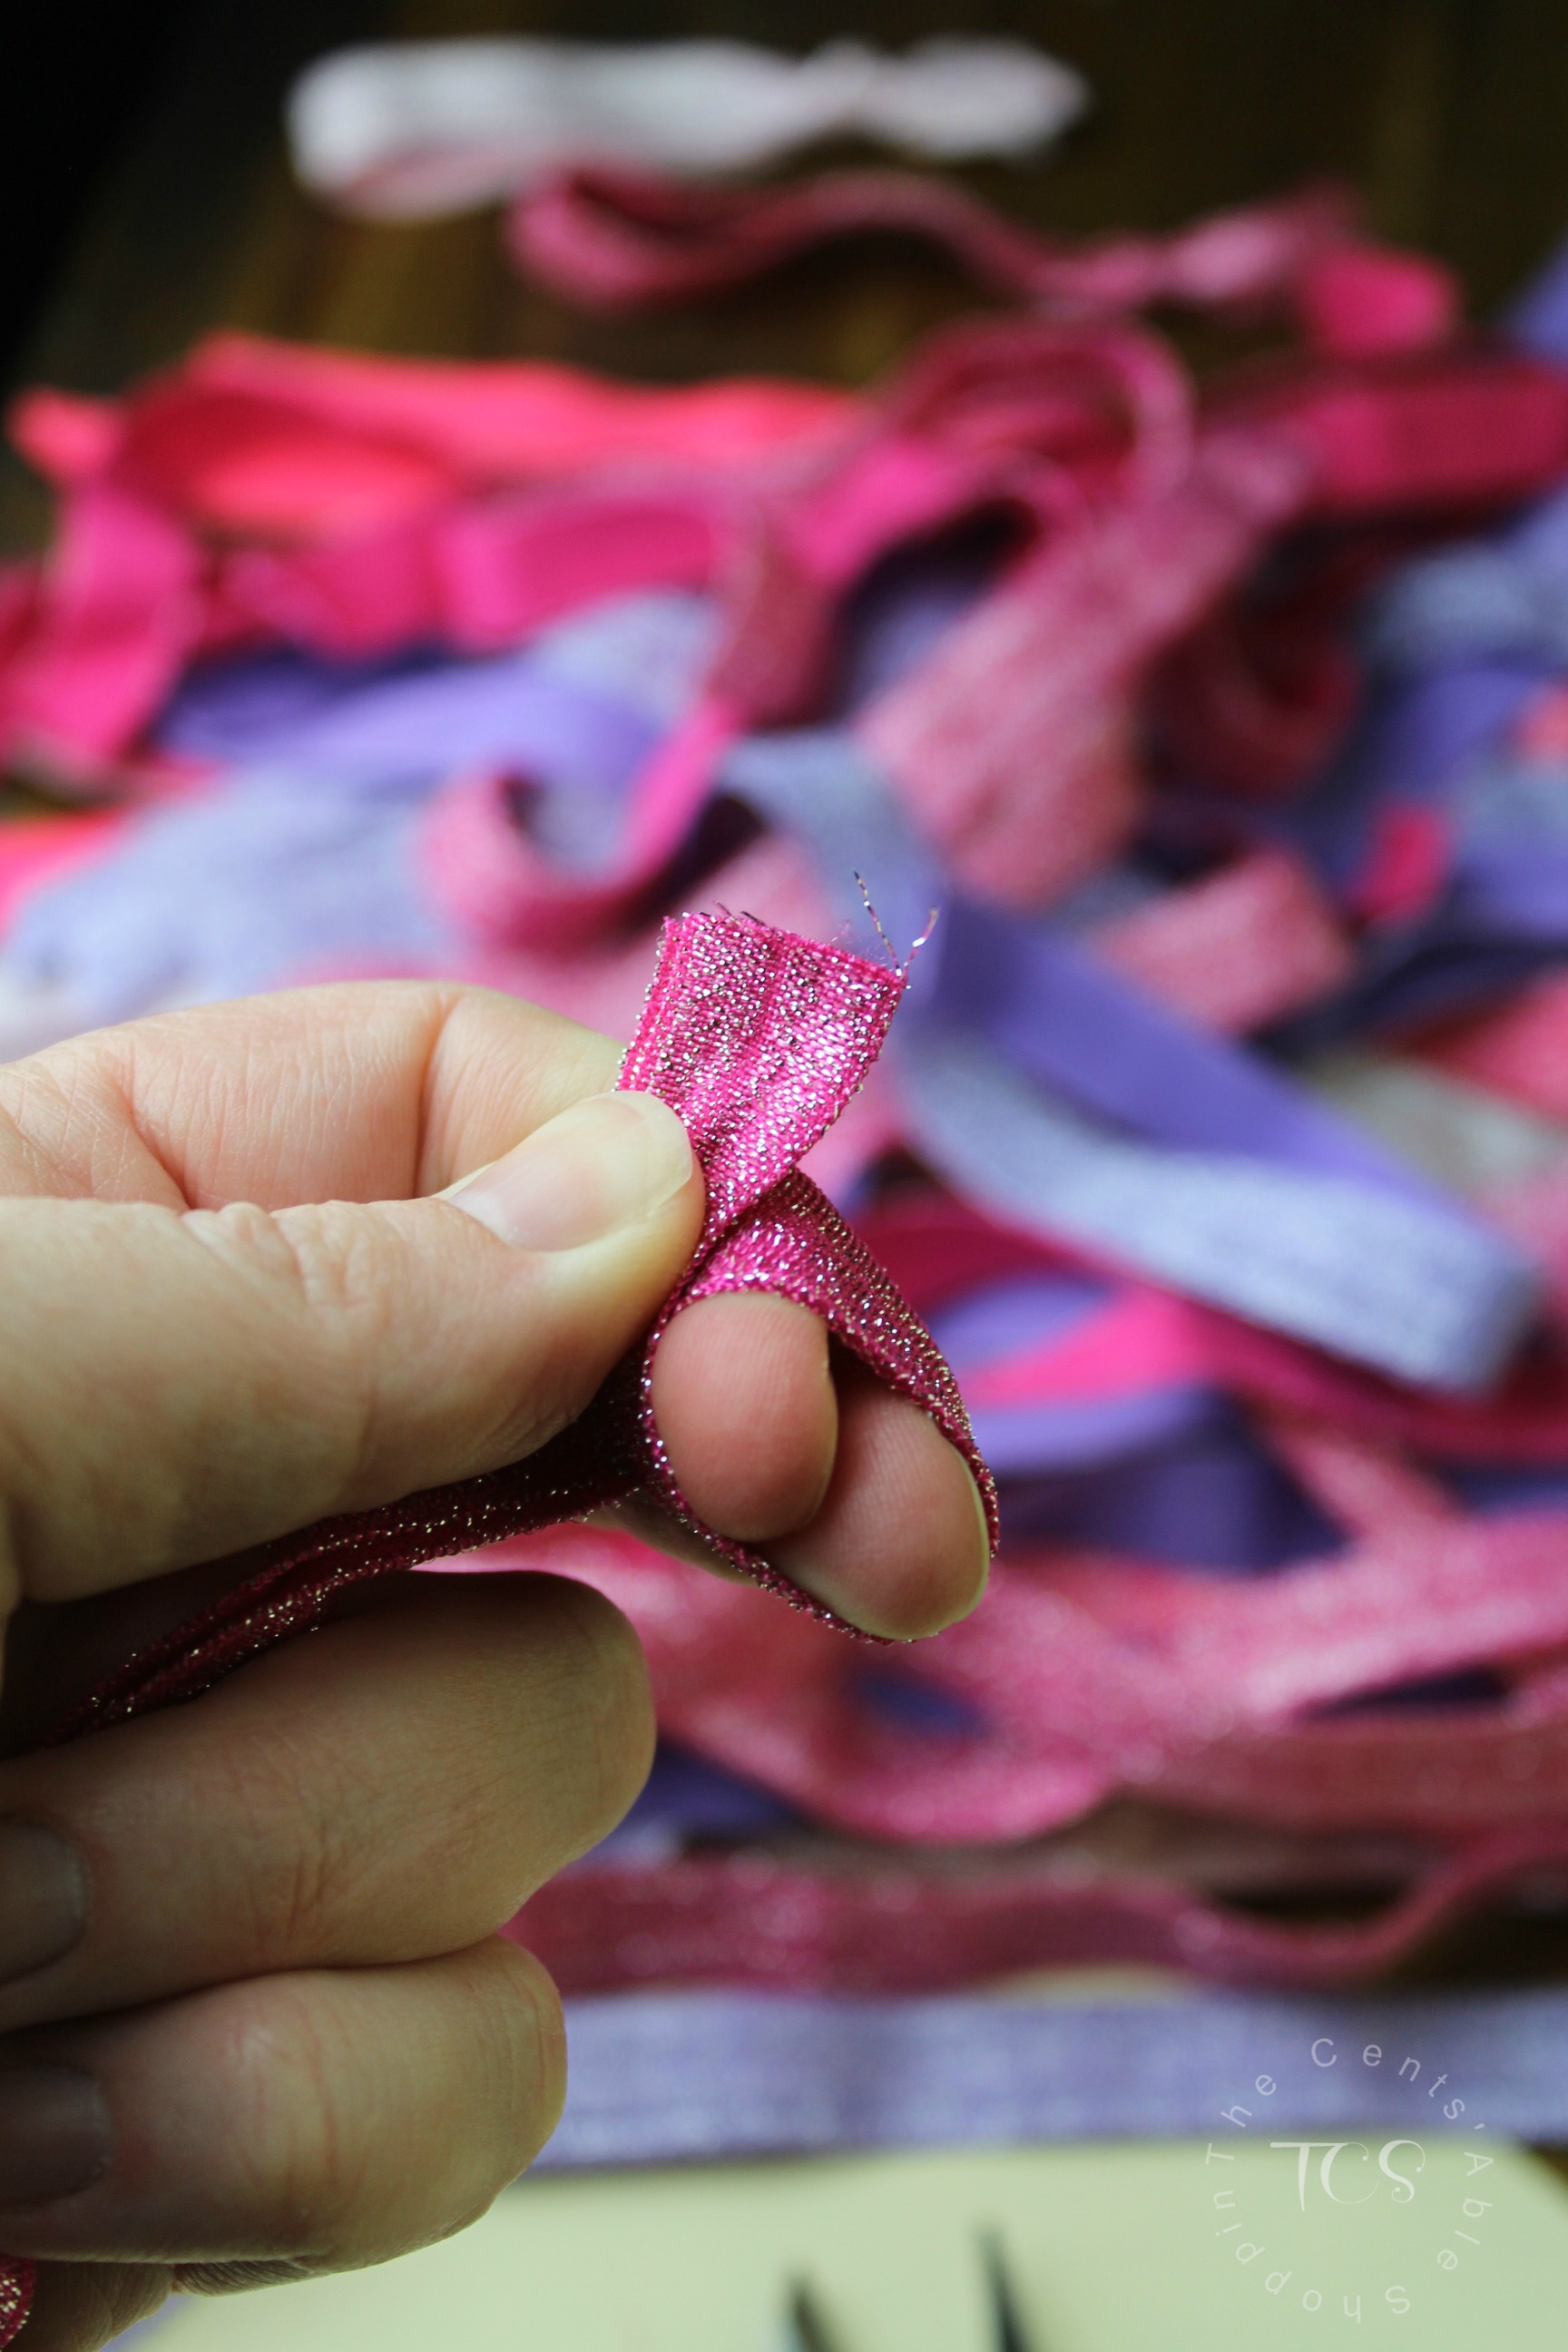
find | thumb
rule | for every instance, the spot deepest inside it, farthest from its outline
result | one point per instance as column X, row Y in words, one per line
column 176, row 1386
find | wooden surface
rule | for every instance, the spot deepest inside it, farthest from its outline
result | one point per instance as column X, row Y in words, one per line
column 1450, row 116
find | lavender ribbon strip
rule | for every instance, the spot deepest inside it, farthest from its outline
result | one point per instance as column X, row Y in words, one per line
column 585, row 697
column 663, row 2078
column 1504, row 595
column 274, row 878
column 306, row 860
column 426, row 722
column 1068, row 1022
column 692, row 2077
column 1371, row 1274
column 1054, row 1093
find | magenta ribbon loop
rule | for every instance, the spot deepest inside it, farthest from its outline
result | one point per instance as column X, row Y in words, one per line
column 758, row 1039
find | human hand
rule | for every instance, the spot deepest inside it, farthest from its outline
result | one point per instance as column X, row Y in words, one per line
column 255, row 2018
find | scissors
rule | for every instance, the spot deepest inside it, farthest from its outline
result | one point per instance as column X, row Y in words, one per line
column 806, row 2330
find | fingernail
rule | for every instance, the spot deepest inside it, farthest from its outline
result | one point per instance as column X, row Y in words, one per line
column 43, row 1898
column 54, row 2133
column 605, row 1163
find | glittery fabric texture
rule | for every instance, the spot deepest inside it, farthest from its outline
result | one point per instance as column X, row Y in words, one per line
column 758, row 1042
column 776, row 1920
column 758, row 1039
column 16, row 2282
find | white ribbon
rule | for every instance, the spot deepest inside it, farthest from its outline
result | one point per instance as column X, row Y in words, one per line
column 420, row 128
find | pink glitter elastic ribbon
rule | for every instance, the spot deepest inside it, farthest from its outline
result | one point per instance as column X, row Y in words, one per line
column 1085, row 1679
column 763, row 1919
column 16, row 2283
column 758, row 1039
column 1076, row 1693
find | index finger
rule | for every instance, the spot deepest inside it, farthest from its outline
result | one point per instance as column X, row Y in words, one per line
column 359, row 1091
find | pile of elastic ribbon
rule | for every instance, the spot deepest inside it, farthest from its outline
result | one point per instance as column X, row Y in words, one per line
column 1226, row 728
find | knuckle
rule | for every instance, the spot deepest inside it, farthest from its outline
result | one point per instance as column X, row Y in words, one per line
column 357, row 2158
column 344, row 1260
column 606, row 1649
column 331, row 1266
column 304, row 1866
column 357, row 1275
column 612, row 1709
column 332, row 1275
column 514, row 2063
column 302, row 2172
column 522, row 2058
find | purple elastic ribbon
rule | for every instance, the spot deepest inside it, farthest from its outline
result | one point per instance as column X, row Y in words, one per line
column 1060, row 1097
column 763, row 2075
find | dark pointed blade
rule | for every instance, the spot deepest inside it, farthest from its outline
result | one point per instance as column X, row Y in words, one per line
column 1006, row 2320
column 808, row 2328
